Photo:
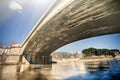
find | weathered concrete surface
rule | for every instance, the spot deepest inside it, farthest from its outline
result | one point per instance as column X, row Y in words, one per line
column 79, row 20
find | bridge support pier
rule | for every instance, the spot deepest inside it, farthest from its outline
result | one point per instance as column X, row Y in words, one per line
column 38, row 59
column 47, row 59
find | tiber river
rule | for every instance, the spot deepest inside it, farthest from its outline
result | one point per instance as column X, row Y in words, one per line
column 94, row 70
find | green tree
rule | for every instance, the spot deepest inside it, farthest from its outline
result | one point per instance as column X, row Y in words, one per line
column 114, row 52
column 104, row 52
column 89, row 52
column 98, row 52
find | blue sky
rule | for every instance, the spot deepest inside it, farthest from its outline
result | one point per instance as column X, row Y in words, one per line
column 18, row 17
column 107, row 41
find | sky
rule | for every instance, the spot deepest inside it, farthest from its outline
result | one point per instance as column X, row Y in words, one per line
column 107, row 41
column 18, row 17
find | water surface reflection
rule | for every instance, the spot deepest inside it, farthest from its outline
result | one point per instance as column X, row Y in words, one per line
column 94, row 70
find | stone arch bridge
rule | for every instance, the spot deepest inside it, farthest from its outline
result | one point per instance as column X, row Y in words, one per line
column 70, row 21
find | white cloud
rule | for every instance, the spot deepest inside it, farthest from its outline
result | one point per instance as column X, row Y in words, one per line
column 15, row 6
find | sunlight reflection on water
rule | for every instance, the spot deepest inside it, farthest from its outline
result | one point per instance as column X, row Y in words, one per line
column 108, row 70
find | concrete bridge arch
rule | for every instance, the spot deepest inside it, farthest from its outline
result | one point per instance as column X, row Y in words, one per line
column 77, row 20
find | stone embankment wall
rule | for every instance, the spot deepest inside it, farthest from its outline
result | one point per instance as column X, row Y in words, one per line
column 11, row 55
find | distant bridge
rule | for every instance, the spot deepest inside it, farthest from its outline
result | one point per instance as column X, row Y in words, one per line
column 71, row 21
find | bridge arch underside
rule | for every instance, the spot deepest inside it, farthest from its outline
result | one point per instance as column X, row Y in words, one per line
column 79, row 20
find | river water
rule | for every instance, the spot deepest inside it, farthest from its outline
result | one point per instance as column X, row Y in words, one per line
column 76, row 70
